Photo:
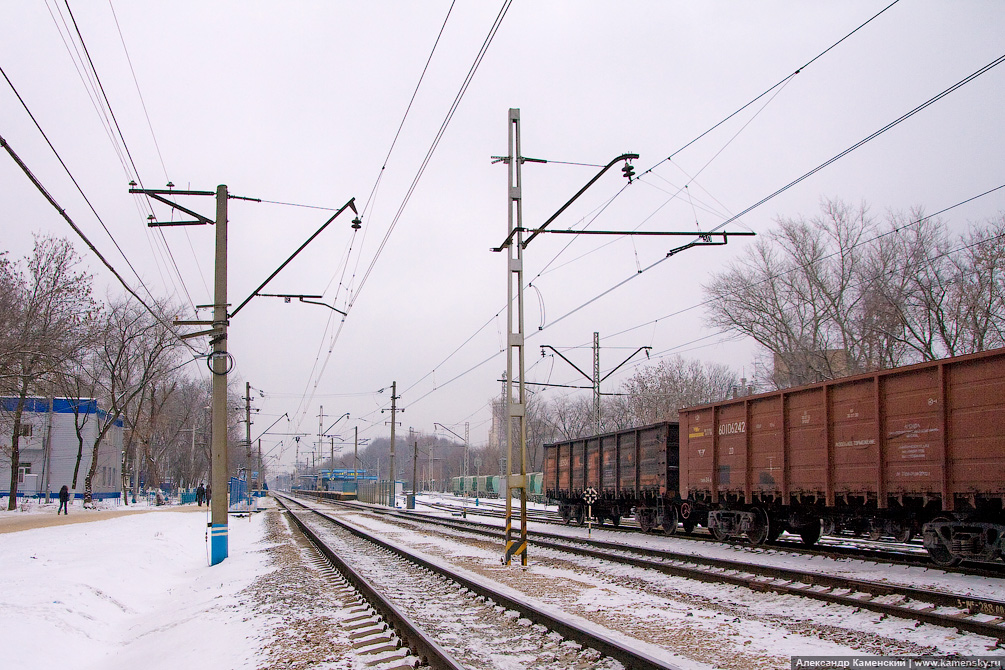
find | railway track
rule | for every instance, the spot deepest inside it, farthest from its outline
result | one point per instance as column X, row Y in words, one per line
column 906, row 554
column 962, row 612
column 449, row 620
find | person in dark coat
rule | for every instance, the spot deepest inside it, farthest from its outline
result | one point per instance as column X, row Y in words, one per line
column 64, row 500
column 200, row 494
column 209, row 493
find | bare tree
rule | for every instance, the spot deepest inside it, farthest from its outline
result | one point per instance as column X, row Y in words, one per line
column 46, row 326
column 841, row 293
column 657, row 392
column 176, row 447
column 807, row 293
column 950, row 303
column 572, row 417
column 136, row 350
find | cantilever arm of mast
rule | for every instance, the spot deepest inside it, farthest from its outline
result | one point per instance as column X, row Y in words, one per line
column 350, row 205
column 509, row 238
column 302, row 298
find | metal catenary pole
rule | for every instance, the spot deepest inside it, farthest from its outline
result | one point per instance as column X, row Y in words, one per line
column 516, row 428
column 596, row 383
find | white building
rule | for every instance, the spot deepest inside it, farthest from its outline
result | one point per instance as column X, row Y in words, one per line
column 48, row 448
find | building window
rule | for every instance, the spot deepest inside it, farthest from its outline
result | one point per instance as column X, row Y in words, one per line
column 22, row 470
column 26, row 430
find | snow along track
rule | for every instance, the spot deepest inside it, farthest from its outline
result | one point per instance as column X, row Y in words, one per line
column 973, row 614
column 478, row 625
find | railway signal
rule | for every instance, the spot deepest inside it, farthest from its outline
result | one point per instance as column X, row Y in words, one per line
column 589, row 498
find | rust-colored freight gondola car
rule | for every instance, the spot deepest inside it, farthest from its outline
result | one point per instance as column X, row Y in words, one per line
column 891, row 453
column 633, row 469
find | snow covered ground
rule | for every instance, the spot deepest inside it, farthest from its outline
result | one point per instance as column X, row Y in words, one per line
column 126, row 592
column 136, row 590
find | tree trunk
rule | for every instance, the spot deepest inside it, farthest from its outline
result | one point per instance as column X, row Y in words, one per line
column 77, row 426
column 110, row 421
column 15, row 445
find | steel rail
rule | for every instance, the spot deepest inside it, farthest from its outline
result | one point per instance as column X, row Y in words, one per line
column 779, row 580
column 915, row 557
column 420, row 644
column 630, row 658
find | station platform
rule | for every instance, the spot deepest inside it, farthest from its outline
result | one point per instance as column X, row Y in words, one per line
column 14, row 521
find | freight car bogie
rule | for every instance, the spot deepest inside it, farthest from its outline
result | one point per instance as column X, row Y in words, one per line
column 760, row 524
column 899, row 527
column 666, row 515
column 574, row 511
column 950, row 541
column 571, row 512
column 757, row 524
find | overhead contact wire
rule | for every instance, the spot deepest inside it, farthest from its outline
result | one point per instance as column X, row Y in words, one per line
column 783, row 80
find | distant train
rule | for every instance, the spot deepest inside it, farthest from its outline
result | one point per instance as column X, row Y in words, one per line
column 896, row 453
column 492, row 485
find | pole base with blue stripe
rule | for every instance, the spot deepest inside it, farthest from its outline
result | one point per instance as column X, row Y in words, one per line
column 217, row 543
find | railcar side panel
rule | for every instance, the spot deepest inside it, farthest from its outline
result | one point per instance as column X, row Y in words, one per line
column 696, row 453
column 593, row 474
column 730, row 449
column 931, row 431
column 855, row 436
column 652, row 459
column 550, row 477
column 976, row 418
column 913, row 435
column 634, row 468
column 807, row 428
column 609, row 465
column 765, row 436
column 628, row 460
column 578, row 467
column 564, row 468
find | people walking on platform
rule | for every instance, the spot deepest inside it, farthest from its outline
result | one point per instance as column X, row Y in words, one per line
column 200, row 494
column 64, row 500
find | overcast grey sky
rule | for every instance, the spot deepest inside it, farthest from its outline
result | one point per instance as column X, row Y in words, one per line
column 299, row 102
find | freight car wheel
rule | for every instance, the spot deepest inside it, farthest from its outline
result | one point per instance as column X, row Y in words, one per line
column 670, row 520
column 579, row 515
column 940, row 553
column 688, row 526
column 720, row 535
column 942, row 557
column 566, row 514
column 761, row 529
column 904, row 534
column 646, row 520
column 615, row 520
